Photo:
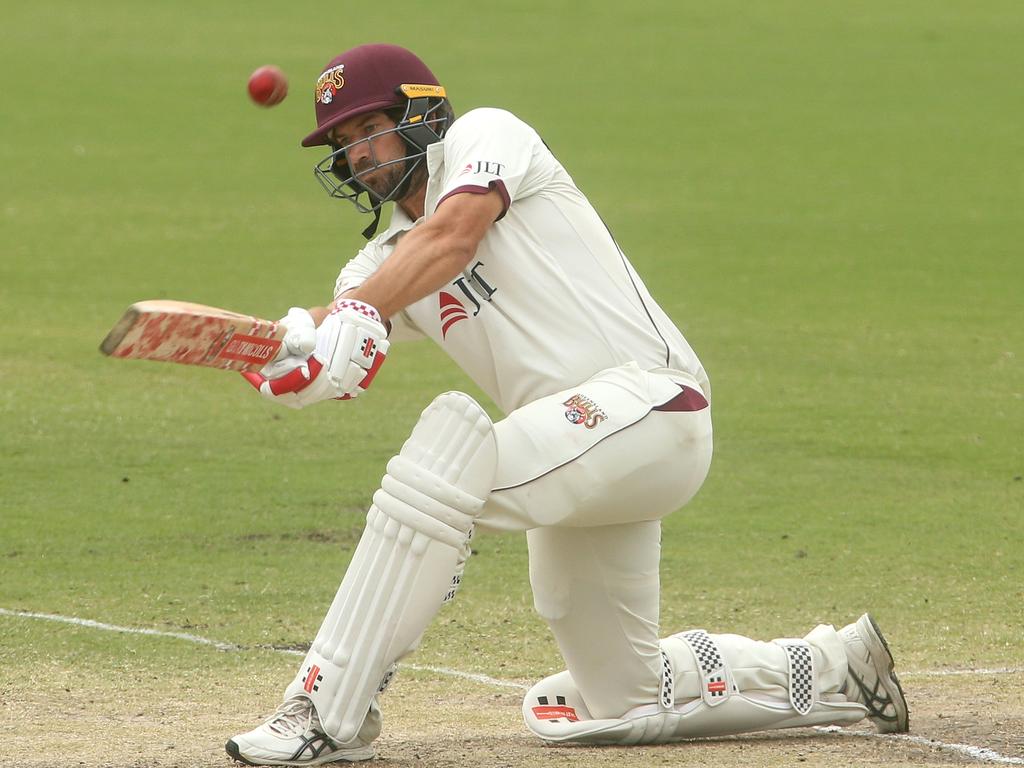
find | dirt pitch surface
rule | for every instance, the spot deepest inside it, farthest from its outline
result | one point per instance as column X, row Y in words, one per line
column 54, row 717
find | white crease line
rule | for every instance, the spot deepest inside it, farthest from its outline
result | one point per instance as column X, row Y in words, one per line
column 475, row 677
column 959, row 672
column 981, row 754
column 114, row 628
column 442, row 670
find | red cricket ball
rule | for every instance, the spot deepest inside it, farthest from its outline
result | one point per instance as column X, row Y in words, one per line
column 268, row 86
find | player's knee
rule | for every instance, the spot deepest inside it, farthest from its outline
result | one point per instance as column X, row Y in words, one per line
column 550, row 580
column 552, row 589
column 550, row 597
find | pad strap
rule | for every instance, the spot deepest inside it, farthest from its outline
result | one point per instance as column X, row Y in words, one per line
column 716, row 680
column 801, row 674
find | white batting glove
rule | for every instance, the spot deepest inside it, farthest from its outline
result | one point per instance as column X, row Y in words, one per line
column 296, row 346
column 351, row 345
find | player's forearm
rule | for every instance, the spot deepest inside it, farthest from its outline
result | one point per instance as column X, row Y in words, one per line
column 424, row 261
column 319, row 313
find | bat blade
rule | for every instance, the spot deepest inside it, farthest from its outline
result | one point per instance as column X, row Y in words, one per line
column 193, row 334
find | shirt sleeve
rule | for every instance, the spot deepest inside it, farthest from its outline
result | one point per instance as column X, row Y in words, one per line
column 358, row 270
column 489, row 149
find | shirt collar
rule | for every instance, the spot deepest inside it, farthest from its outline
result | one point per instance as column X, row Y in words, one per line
column 400, row 222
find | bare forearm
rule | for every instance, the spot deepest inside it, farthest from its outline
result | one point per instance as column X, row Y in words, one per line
column 430, row 255
column 319, row 313
column 424, row 261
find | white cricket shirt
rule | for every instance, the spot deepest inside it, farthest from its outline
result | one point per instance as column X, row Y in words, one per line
column 550, row 299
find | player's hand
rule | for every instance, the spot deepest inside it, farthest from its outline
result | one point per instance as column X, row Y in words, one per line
column 296, row 347
column 351, row 345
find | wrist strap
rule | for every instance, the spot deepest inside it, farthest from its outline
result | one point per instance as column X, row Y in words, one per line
column 361, row 307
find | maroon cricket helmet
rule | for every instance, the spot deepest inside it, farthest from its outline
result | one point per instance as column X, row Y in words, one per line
column 364, row 79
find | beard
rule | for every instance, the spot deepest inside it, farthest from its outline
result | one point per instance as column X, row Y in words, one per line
column 381, row 183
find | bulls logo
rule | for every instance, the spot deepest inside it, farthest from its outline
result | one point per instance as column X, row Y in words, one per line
column 329, row 83
column 582, row 410
column 576, row 415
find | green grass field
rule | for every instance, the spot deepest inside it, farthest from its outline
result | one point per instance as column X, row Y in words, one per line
column 827, row 197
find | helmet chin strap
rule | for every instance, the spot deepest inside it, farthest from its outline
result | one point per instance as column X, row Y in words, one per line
column 371, row 230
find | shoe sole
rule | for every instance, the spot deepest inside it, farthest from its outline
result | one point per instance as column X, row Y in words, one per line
column 868, row 628
column 349, row 756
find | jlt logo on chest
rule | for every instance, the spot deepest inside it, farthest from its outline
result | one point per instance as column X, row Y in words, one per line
column 474, row 288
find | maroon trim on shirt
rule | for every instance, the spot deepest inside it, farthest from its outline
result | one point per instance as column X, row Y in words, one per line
column 571, row 459
column 687, row 401
column 476, row 189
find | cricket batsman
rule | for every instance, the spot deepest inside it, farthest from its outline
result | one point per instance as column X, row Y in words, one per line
column 495, row 254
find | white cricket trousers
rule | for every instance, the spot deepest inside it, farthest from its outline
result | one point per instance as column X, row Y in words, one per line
column 588, row 473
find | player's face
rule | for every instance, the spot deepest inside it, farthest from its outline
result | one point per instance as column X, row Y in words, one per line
column 366, row 151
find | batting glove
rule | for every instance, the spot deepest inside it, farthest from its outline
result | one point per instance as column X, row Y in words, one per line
column 351, row 345
column 296, row 347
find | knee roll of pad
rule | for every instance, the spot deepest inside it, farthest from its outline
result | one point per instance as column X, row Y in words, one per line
column 427, row 503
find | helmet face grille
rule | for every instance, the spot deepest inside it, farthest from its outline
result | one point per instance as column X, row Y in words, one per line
column 424, row 122
column 339, row 180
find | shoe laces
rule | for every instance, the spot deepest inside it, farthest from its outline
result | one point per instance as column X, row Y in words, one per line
column 294, row 716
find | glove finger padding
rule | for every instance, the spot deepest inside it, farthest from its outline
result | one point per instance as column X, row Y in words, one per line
column 292, row 364
column 296, row 380
column 354, row 357
column 300, row 340
column 297, row 345
column 353, row 343
column 286, row 390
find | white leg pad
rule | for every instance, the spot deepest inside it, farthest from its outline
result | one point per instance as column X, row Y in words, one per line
column 555, row 710
column 406, row 565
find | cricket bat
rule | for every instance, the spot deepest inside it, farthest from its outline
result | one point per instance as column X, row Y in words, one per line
column 194, row 334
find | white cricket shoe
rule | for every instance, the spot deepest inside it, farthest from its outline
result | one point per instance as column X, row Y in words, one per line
column 293, row 736
column 870, row 678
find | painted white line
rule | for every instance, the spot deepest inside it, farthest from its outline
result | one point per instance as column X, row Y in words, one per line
column 114, row 628
column 475, row 677
column 445, row 671
column 960, row 672
column 981, row 754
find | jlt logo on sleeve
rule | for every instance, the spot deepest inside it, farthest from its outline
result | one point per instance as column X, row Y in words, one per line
column 482, row 166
